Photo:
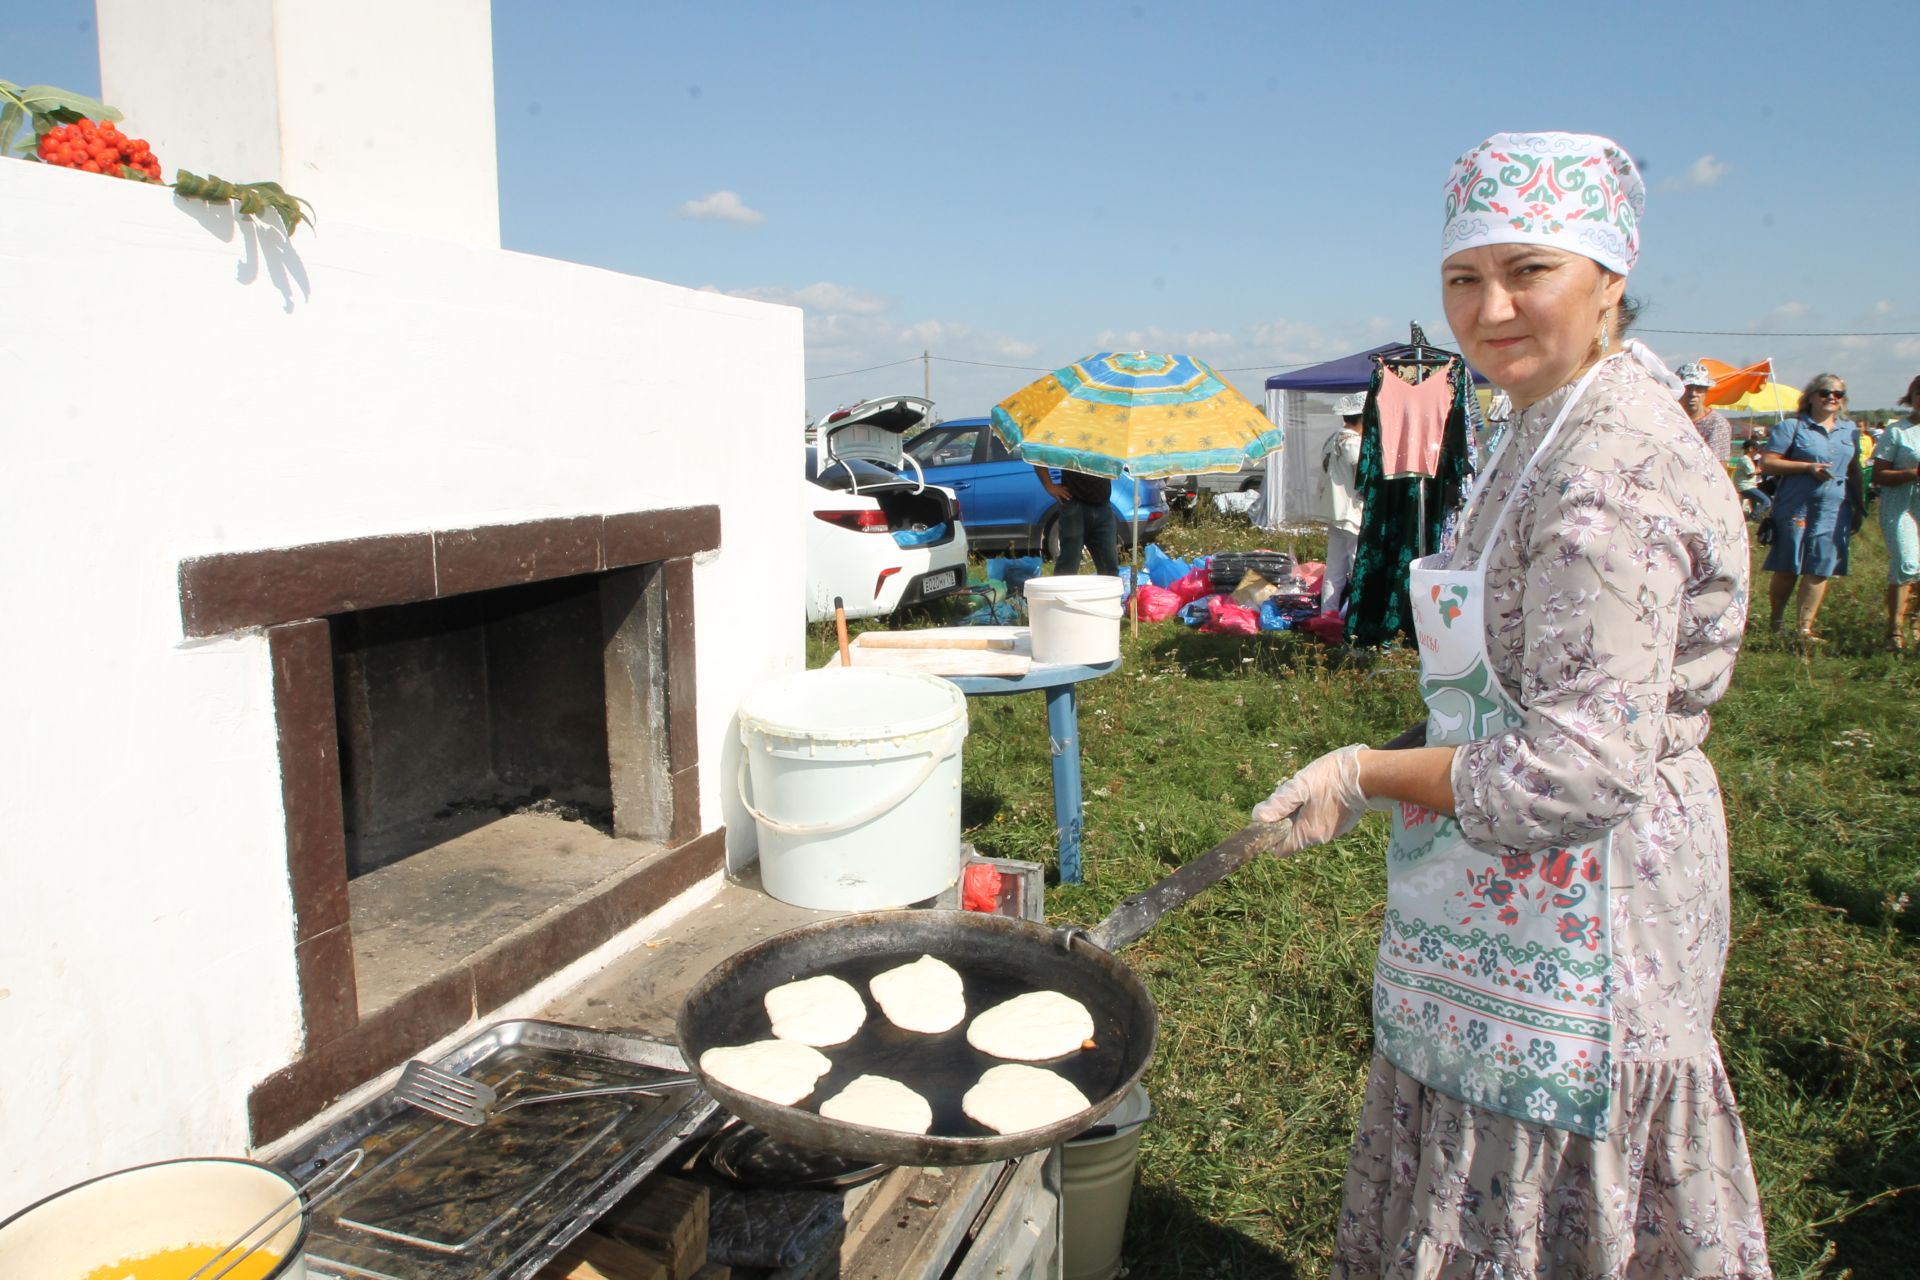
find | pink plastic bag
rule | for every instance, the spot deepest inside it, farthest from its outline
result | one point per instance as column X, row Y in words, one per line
column 1311, row 572
column 1225, row 618
column 1194, row 585
column 1156, row 604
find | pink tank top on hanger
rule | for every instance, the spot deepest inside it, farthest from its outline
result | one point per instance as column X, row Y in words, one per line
column 1413, row 421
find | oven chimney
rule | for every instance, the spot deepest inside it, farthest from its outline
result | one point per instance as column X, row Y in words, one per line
column 377, row 113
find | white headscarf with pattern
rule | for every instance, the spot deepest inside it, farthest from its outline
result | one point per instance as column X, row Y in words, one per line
column 1574, row 191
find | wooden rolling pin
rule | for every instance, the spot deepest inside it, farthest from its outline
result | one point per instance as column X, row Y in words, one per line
column 917, row 640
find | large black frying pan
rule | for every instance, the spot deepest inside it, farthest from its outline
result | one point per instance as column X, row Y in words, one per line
column 998, row 958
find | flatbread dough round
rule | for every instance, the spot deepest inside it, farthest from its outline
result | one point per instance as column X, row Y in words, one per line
column 782, row 1071
column 818, row 1011
column 880, row 1103
column 926, row 995
column 1032, row 1028
column 1013, row 1099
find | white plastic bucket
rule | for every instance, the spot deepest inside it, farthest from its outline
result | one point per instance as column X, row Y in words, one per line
column 1075, row 619
column 1097, row 1187
column 855, row 786
column 142, row 1211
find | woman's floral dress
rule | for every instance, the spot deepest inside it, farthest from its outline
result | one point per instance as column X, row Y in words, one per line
column 1617, row 594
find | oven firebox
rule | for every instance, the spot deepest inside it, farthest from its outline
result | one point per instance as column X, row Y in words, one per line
column 489, row 765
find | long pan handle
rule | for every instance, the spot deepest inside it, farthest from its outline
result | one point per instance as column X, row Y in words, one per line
column 1139, row 913
column 1133, row 917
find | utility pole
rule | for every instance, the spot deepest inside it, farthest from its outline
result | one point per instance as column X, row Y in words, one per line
column 926, row 375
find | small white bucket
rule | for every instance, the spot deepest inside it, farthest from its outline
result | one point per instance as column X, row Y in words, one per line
column 855, row 786
column 142, row 1211
column 1075, row 619
column 1096, row 1188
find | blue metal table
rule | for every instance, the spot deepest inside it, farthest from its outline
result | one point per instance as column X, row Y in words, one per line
column 1063, row 728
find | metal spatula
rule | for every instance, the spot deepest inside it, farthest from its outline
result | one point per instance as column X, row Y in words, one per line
column 470, row 1102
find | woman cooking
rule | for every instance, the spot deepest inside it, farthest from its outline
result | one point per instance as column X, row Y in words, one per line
column 1816, row 454
column 1546, row 1097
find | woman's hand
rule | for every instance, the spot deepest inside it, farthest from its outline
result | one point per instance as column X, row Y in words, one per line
column 1324, row 800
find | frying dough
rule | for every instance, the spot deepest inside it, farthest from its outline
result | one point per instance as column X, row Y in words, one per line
column 926, row 995
column 880, row 1103
column 782, row 1071
column 1013, row 1099
column 1032, row 1028
column 818, row 1011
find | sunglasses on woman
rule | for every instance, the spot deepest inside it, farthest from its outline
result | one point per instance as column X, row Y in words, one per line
column 1829, row 391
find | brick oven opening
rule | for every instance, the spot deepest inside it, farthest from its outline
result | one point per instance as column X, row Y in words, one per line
column 478, row 757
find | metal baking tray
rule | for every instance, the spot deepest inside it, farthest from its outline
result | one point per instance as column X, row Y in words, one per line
column 434, row 1200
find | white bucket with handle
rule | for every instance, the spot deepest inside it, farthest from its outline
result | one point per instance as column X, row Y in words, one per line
column 1076, row 619
column 852, row 777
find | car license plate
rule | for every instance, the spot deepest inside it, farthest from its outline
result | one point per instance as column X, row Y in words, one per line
column 946, row 580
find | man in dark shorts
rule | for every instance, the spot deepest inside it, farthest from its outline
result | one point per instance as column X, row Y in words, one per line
column 1086, row 520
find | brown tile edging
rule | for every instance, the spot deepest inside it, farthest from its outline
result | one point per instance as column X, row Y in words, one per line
column 304, row 1088
column 301, row 655
column 683, row 712
column 232, row 591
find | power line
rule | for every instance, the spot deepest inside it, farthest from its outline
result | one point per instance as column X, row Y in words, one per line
column 847, row 373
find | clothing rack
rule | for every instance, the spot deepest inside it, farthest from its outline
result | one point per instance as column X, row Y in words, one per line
column 1417, row 352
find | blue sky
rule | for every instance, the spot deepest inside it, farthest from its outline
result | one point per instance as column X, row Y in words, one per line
column 1022, row 183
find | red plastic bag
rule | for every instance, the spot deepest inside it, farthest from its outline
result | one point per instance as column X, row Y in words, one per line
column 980, row 889
column 1157, row 604
column 1328, row 628
column 1225, row 618
column 1194, row 585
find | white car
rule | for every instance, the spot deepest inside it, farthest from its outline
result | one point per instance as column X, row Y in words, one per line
column 878, row 535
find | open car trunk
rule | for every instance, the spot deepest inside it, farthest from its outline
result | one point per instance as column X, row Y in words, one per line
column 862, row 451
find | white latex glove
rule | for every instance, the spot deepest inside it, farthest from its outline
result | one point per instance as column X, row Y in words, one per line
column 1324, row 800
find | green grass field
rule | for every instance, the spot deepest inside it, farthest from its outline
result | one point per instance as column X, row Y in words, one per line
column 1263, row 984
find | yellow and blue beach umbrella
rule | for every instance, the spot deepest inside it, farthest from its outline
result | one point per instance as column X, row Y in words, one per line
column 1135, row 413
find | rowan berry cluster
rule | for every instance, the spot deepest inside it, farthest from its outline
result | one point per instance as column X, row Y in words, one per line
column 98, row 147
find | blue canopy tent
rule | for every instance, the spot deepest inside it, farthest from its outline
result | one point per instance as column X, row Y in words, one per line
column 1293, row 487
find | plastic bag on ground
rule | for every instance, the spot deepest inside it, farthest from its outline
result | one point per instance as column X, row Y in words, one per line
column 1014, row 571
column 1192, row 585
column 1330, row 628
column 1164, row 570
column 1236, row 504
column 1225, row 618
column 1156, row 604
column 1195, row 612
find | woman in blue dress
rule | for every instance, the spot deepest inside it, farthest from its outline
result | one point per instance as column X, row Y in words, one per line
column 1896, row 467
column 1816, row 455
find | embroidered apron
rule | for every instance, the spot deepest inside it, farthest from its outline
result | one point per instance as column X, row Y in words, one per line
column 1493, row 979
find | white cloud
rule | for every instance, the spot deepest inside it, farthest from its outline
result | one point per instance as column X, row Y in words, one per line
column 1704, row 172
column 1884, row 307
column 722, row 206
column 1779, row 315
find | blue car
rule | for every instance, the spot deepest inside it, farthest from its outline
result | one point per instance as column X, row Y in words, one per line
column 1001, row 501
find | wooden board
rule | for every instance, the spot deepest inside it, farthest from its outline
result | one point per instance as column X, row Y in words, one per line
column 595, row 1257
column 666, row 1217
column 1011, row 653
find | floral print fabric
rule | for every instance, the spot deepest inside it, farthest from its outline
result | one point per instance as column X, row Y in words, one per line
column 1616, row 599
